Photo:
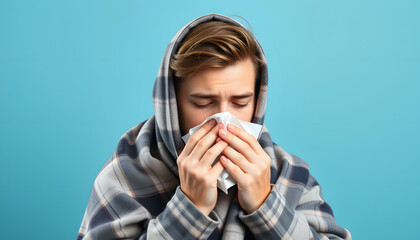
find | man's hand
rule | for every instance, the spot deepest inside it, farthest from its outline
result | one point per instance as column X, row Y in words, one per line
column 198, row 178
column 249, row 164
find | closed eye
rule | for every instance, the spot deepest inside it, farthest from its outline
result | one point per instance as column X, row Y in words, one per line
column 202, row 105
column 241, row 105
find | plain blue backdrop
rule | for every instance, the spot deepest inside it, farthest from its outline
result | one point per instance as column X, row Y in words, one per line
column 343, row 96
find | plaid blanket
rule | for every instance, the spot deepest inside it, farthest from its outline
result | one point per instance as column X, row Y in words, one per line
column 136, row 194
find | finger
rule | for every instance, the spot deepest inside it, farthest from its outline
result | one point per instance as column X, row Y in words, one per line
column 212, row 154
column 205, row 143
column 234, row 170
column 246, row 137
column 238, row 144
column 216, row 170
column 238, row 159
column 194, row 138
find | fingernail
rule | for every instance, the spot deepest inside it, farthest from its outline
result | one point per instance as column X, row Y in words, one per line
column 218, row 139
column 223, row 132
column 212, row 122
column 220, row 126
column 223, row 158
column 231, row 127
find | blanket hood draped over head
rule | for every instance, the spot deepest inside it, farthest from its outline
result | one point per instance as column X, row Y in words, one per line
column 136, row 194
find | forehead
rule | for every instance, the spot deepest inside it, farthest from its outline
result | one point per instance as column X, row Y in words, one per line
column 239, row 76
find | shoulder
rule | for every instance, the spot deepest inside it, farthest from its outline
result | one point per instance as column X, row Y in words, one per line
column 126, row 153
column 290, row 160
column 133, row 170
column 127, row 143
column 293, row 174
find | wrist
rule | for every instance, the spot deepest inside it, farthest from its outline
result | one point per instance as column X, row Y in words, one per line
column 261, row 202
column 204, row 210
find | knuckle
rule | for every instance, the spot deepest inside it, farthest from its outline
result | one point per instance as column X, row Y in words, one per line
column 201, row 143
column 211, row 152
column 248, row 151
column 184, row 166
column 194, row 138
column 245, row 146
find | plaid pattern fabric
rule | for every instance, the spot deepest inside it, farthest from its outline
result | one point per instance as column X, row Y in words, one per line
column 136, row 194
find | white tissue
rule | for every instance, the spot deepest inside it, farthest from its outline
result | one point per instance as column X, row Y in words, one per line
column 225, row 180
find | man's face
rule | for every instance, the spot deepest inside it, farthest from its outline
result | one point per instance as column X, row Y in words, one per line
column 230, row 89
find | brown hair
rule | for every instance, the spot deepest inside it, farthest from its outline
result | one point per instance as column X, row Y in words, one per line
column 214, row 44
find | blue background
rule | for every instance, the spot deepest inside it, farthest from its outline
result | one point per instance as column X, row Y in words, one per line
column 343, row 96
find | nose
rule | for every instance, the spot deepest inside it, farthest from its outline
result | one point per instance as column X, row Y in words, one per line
column 223, row 107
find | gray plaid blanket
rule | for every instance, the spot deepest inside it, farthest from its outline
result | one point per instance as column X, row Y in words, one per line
column 136, row 195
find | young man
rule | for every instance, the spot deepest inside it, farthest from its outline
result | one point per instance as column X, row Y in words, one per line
column 156, row 187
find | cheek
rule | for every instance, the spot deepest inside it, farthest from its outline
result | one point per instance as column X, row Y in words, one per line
column 192, row 117
column 245, row 114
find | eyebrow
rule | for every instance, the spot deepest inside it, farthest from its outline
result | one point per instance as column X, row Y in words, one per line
column 207, row 96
